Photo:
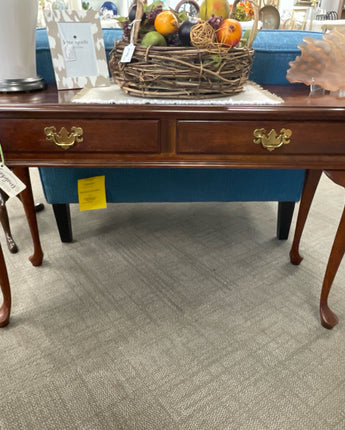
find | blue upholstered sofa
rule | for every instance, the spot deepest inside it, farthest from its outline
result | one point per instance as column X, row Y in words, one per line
column 273, row 50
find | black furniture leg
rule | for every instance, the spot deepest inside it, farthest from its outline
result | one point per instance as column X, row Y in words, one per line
column 285, row 212
column 64, row 224
column 63, row 220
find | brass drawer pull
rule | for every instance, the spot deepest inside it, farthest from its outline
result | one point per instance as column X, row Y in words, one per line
column 272, row 140
column 64, row 139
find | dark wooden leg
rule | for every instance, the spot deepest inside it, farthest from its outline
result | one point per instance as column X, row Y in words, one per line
column 63, row 220
column 11, row 244
column 328, row 317
column 311, row 181
column 5, row 308
column 29, row 207
column 285, row 212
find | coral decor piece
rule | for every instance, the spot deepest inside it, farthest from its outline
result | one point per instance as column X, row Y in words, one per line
column 322, row 62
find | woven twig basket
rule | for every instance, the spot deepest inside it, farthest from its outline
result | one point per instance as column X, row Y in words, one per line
column 182, row 72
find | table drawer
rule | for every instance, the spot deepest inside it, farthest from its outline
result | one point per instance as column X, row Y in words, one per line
column 237, row 137
column 123, row 136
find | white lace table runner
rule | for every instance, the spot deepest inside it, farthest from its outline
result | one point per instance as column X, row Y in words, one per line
column 251, row 95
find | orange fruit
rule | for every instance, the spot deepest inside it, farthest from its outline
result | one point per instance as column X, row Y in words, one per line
column 166, row 23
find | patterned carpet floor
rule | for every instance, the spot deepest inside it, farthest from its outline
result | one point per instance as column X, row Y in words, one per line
column 173, row 316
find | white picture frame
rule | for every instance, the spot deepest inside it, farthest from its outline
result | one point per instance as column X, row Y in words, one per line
column 298, row 20
column 77, row 48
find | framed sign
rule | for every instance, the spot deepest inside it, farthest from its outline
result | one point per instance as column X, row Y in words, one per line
column 298, row 18
column 77, row 48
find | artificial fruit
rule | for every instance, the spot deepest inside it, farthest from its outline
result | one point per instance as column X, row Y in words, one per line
column 214, row 7
column 184, row 31
column 153, row 38
column 229, row 32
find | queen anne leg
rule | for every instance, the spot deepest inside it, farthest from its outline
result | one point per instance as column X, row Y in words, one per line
column 29, row 207
column 5, row 309
column 328, row 318
column 310, row 184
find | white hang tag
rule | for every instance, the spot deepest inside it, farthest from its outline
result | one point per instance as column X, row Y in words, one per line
column 9, row 182
column 127, row 53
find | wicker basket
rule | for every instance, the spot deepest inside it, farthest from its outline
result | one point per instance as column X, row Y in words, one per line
column 182, row 72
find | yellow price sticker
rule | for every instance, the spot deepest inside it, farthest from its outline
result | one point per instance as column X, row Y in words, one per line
column 91, row 193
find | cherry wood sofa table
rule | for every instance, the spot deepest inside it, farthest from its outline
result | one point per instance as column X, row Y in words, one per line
column 45, row 129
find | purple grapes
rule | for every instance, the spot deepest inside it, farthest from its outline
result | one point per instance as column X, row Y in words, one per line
column 151, row 16
column 215, row 21
column 126, row 28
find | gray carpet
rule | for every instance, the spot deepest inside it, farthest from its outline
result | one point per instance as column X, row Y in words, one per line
column 173, row 316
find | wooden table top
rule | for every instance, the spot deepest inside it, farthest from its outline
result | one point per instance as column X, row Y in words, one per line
column 174, row 136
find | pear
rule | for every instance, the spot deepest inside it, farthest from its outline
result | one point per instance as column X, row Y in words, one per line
column 153, row 38
column 214, row 7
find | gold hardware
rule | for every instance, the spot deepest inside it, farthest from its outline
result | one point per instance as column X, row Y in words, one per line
column 64, row 139
column 272, row 140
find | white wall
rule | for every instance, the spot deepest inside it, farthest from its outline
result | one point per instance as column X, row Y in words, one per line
column 329, row 5
column 285, row 9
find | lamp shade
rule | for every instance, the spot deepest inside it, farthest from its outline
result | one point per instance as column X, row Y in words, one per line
column 18, row 20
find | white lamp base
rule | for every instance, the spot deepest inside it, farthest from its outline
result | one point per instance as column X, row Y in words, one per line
column 23, row 85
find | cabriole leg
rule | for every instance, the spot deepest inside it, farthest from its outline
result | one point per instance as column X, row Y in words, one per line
column 310, row 184
column 29, row 207
column 5, row 308
column 328, row 318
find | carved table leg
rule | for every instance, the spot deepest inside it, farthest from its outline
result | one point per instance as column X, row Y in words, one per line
column 11, row 244
column 328, row 318
column 5, row 309
column 311, row 181
column 29, row 207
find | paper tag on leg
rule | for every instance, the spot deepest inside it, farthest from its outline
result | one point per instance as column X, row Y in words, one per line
column 91, row 193
column 9, row 182
column 127, row 53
